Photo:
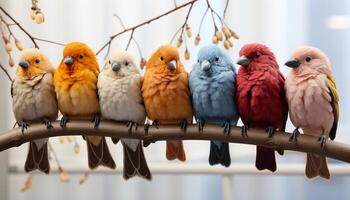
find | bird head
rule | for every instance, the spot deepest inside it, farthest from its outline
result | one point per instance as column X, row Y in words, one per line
column 212, row 60
column 255, row 56
column 78, row 56
column 120, row 63
column 32, row 63
column 165, row 60
column 309, row 60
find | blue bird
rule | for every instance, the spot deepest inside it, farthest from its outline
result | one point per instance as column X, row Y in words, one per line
column 212, row 84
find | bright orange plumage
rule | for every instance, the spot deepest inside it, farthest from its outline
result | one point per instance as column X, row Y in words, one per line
column 166, row 94
column 75, row 84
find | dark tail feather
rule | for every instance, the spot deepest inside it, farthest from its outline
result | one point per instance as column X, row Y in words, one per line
column 175, row 150
column 99, row 155
column 135, row 163
column 265, row 159
column 219, row 155
column 37, row 159
column 316, row 165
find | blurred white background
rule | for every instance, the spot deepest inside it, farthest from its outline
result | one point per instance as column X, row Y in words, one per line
column 282, row 25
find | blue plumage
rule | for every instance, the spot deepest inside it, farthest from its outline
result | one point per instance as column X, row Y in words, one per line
column 212, row 84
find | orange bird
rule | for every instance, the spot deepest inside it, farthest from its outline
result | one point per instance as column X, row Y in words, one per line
column 167, row 96
column 75, row 84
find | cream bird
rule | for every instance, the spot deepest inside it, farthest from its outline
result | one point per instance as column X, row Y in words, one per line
column 34, row 100
column 119, row 89
column 313, row 102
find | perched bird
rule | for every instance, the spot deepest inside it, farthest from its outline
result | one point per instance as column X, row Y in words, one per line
column 34, row 100
column 212, row 84
column 76, row 89
column 119, row 89
column 313, row 102
column 260, row 97
column 166, row 94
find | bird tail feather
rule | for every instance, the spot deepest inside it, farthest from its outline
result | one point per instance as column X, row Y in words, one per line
column 316, row 165
column 37, row 158
column 98, row 154
column 175, row 150
column 265, row 159
column 135, row 163
column 219, row 155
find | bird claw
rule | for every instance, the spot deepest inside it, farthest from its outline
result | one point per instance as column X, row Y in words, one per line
column 294, row 135
column 130, row 124
column 271, row 131
column 322, row 140
column 96, row 120
column 155, row 123
column 23, row 125
column 47, row 123
column 227, row 127
column 64, row 121
column 244, row 131
column 183, row 125
column 200, row 125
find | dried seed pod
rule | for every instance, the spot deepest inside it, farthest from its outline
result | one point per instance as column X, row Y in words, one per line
column 76, row 148
column 214, row 40
column 143, row 63
column 39, row 17
column 18, row 44
column 5, row 38
column 179, row 41
column 8, row 47
column 27, row 184
column 187, row 54
column 226, row 31
column 234, row 35
column 227, row 44
column 83, row 178
column 63, row 176
column 11, row 61
column 197, row 40
column 69, row 139
column 188, row 31
column 32, row 13
column 61, row 139
column 218, row 35
column 230, row 43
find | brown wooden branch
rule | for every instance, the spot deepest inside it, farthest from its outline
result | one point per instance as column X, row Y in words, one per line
column 280, row 140
column 6, row 72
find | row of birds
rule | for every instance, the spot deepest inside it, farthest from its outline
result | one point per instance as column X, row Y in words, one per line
column 213, row 93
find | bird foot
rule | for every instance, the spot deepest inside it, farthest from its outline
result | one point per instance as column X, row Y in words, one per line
column 183, row 125
column 47, row 123
column 271, row 131
column 227, row 127
column 96, row 120
column 322, row 140
column 294, row 135
column 200, row 125
column 244, row 131
column 64, row 121
column 23, row 125
column 131, row 124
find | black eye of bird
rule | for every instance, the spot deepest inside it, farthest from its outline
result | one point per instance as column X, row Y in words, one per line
column 37, row 61
column 308, row 59
column 216, row 59
column 161, row 58
column 198, row 60
column 81, row 56
column 126, row 63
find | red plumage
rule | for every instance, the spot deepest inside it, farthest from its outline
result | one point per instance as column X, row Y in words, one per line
column 260, row 97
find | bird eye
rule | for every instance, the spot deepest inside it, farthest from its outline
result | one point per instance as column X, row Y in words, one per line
column 308, row 59
column 126, row 63
column 81, row 56
column 37, row 61
column 198, row 60
column 161, row 58
column 216, row 59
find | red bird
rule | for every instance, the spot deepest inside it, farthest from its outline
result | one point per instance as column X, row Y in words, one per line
column 260, row 97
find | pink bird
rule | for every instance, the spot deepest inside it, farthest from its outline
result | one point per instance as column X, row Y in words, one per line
column 313, row 102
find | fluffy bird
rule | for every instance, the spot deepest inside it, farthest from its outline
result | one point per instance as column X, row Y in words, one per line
column 119, row 89
column 34, row 100
column 212, row 84
column 166, row 94
column 260, row 97
column 76, row 89
column 313, row 102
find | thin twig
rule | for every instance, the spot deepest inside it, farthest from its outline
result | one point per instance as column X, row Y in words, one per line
column 49, row 41
column 225, row 10
column 6, row 72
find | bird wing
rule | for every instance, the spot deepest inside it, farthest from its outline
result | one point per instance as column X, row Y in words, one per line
column 335, row 104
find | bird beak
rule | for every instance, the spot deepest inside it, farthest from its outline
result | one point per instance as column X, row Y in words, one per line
column 293, row 63
column 116, row 66
column 68, row 60
column 205, row 65
column 24, row 64
column 243, row 61
column 172, row 65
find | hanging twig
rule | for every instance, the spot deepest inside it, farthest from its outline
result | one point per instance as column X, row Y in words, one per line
column 6, row 72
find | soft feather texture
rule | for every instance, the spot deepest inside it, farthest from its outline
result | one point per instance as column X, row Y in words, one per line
column 213, row 94
column 260, row 96
column 121, row 100
column 34, row 99
column 76, row 92
column 313, row 101
column 166, row 94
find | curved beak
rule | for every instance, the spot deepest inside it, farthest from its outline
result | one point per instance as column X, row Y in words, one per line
column 293, row 63
column 24, row 64
column 205, row 65
column 116, row 66
column 172, row 64
column 243, row 61
column 68, row 60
